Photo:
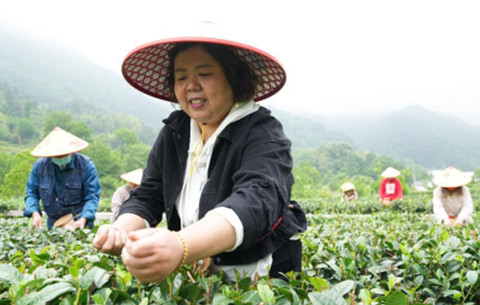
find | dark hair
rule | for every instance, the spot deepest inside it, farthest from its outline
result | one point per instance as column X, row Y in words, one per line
column 237, row 72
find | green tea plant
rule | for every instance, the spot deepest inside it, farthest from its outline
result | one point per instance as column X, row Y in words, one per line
column 395, row 252
column 387, row 257
column 415, row 203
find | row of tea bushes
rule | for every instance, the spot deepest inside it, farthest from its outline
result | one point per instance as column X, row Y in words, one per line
column 396, row 252
column 415, row 203
column 385, row 258
column 61, row 267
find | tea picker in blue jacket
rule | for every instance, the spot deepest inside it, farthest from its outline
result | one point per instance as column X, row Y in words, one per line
column 65, row 181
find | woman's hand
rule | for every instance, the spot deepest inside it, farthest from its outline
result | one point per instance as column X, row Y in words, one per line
column 446, row 221
column 110, row 239
column 386, row 202
column 458, row 221
column 37, row 221
column 151, row 255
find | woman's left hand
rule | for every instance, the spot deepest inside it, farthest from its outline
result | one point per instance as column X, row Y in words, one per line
column 151, row 255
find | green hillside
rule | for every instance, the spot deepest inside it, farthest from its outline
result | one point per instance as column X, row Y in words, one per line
column 306, row 132
column 38, row 79
column 422, row 136
column 63, row 80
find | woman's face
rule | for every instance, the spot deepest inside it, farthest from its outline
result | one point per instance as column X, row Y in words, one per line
column 201, row 87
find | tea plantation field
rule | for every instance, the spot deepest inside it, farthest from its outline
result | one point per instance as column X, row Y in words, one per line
column 365, row 255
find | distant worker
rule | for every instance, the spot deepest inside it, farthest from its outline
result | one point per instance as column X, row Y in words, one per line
column 390, row 187
column 452, row 202
column 65, row 181
column 349, row 192
column 134, row 179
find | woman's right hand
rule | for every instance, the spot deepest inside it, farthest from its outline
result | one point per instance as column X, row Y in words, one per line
column 151, row 255
column 446, row 221
column 110, row 239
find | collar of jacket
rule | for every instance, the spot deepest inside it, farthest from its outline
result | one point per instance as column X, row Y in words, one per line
column 179, row 122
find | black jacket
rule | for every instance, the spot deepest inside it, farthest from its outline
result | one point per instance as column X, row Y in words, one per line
column 250, row 173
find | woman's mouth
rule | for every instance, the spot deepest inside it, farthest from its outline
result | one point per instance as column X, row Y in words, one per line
column 197, row 101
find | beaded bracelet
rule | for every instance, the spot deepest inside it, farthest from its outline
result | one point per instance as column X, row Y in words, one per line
column 185, row 250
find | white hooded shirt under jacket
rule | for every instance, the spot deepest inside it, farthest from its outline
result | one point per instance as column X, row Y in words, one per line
column 189, row 200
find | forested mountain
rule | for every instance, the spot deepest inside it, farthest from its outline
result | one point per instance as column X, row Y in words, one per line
column 63, row 80
column 306, row 133
column 426, row 137
column 56, row 78
column 44, row 78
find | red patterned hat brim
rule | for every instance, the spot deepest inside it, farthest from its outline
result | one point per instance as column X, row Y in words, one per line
column 146, row 67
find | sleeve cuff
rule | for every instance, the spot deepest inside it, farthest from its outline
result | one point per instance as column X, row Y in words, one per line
column 147, row 225
column 29, row 213
column 234, row 220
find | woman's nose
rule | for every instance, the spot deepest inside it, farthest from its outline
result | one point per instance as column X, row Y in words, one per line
column 193, row 84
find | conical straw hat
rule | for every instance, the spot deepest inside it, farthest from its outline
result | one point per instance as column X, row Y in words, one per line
column 59, row 143
column 452, row 177
column 134, row 176
column 146, row 67
column 390, row 172
column 64, row 221
column 347, row 186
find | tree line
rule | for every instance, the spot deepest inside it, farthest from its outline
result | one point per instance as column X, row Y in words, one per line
column 120, row 143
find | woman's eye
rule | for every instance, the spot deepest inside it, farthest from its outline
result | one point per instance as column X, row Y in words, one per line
column 205, row 74
column 179, row 78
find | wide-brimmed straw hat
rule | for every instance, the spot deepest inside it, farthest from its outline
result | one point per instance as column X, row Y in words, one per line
column 59, row 143
column 452, row 177
column 390, row 172
column 146, row 67
column 134, row 176
column 347, row 186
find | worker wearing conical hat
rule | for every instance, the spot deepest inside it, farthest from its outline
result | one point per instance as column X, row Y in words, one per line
column 452, row 202
column 134, row 178
column 65, row 181
column 349, row 192
column 219, row 171
column 390, row 187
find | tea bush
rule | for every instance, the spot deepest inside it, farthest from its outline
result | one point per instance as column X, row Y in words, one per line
column 414, row 203
column 388, row 257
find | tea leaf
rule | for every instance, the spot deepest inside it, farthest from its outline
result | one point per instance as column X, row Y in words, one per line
column 9, row 274
column 73, row 271
column 328, row 297
column 344, row 287
column 220, row 299
column 29, row 285
column 472, row 277
column 397, row 298
column 47, row 294
column 87, row 279
column 318, row 283
column 266, row 294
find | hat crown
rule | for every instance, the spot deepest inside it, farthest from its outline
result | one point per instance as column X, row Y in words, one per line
column 59, row 143
column 347, row 186
column 134, row 176
column 452, row 177
column 390, row 172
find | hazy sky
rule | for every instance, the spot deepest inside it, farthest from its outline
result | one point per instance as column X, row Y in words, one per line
column 341, row 57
